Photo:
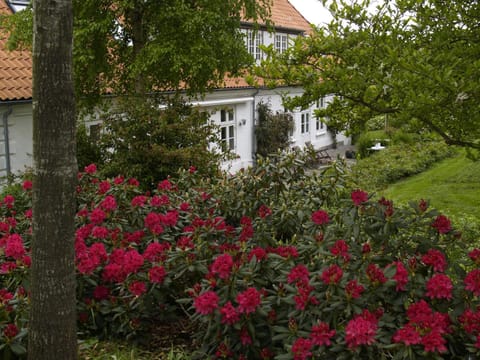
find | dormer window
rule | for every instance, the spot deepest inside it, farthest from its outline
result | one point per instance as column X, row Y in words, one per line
column 254, row 40
column 281, row 43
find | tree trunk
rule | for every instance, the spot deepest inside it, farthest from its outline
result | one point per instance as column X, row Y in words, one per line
column 52, row 326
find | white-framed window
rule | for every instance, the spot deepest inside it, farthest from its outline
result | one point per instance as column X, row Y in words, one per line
column 227, row 128
column 254, row 40
column 320, row 126
column 305, row 122
column 281, row 43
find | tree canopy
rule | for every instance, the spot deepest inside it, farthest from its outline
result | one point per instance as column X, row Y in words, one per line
column 415, row 61
column 139, row 46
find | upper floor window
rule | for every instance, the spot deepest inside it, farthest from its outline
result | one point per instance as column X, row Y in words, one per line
column 227, row 128
column 254, row 41
column 305, row 122
column 281, row 43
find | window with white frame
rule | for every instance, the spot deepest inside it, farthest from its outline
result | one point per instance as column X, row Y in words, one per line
column 281, row 43
column 320, row 121
column 227, row 128
column 305, row 122
column 254, row 41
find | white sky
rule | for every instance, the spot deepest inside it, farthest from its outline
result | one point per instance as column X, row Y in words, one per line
column 312, row 10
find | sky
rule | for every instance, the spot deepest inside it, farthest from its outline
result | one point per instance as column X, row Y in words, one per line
column 312, row 10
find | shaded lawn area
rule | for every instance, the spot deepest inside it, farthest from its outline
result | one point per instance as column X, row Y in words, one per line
column 451, row 186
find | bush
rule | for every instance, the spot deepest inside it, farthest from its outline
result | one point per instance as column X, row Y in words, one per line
column 270, row 263
column 397, row 162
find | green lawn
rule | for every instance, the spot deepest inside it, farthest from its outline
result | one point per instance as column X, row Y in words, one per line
column 452, row 186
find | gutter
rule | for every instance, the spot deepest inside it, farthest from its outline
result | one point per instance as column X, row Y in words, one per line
column 5, row 116
column 254, row 127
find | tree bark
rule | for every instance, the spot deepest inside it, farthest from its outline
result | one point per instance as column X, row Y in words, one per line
column 52, row 325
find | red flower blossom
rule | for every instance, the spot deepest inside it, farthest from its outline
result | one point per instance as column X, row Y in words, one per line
column 298, row 273
column 245, row 337
column 139, row 201
column 14, row 247
column 301, row 349
column 321, row 334
column 264, row 211
column 133, row 182
column 442, row 224
column 285, row 251
column 436, row 259
column 470, row 321
column 104, row 186
column 340, row 248
column 157, row 274
column 375, row 274
column 320, row 217
column 401, row 276
column 433, row 341
column 248, row 300
column 101, row 292
column 472, row 282
column 156, row 251
column 90, row 169
column 27, row 185
column 137, row 288
column 184, row 206
column 366, row 248
column 100, row 232
column 158, row 201
column 439, row 287
column 361, row 330
column 165, row 185
column 10, row 331
column 230, row 315
column 257, row 252
column 359, row 197
column 97, row 216
column 332, row 275
column 206, row 303
column 475, row 256
column 118, row 180
column 108, row 203
column 407, row 335
column 222, row 266
column 423, row 205
column 303, row 296
column 353, row 289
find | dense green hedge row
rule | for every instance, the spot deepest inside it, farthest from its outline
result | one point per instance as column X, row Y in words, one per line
column 397, row 162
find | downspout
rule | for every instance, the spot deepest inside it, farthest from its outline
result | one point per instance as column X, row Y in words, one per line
column 254, row 127
column 6, row 114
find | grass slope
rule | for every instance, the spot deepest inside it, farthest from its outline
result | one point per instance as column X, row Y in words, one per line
column 452, row 186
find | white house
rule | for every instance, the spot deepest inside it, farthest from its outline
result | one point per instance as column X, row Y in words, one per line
column 232, row 107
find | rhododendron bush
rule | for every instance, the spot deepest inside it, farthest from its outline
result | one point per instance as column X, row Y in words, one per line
column 273, row 262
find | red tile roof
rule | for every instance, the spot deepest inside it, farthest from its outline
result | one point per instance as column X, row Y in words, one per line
column 15, row 69
column 16, row 66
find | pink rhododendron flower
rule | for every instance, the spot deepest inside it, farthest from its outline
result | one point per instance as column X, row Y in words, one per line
column 100, row 232
column 401, row 276
column 245, row 337
column 108, row 203
column 439, row 287
column 264, row 211
column 133, row 182
column 101, row 293
column 229, row 314
column 257, row 252
column 298, row 273
column 442, row 224
column 353, row 289
column 222, row 266
column 137, row 288
column 185, row 206
column 14, row 247
column 407, row 335
column 206, row 303
column 301, row 349
column 156, row 251
column 97, row 216
column 248, row 300
column 320, row 217
column 10, row 331
column 90, row 169
column 375, row 274
column 139, row 201
column 340, row 248
column 157, row 274
column 472, row 282
column 303, row 298
column 104, row 186
column 321, row 334
column 475, row 256
column 332, row 275
column 436, row 259
column 361, row 330
column 165, row 185
column 359, row 197
column 27, row 185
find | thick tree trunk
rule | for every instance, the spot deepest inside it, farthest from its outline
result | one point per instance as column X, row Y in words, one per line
column 52, row 326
